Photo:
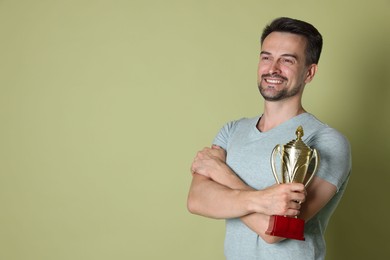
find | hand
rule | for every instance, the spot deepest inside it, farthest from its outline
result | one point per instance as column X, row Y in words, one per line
column 208, row 161
column 282, row 199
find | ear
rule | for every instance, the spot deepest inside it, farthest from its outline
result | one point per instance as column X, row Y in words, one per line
column 311, row 71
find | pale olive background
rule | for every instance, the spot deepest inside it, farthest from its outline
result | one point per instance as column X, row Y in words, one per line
column 103, row 105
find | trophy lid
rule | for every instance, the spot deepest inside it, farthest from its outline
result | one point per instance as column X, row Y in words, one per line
column 298, row 143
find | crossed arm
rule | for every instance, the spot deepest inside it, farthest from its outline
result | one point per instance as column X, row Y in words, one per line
column 217, row 192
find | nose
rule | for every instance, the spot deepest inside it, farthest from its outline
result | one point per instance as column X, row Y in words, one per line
column 274, row 68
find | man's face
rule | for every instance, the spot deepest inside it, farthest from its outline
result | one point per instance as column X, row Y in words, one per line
column 282, row 72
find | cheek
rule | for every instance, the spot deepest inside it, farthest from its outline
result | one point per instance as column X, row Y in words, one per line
column 289, row 73
column 261, row 70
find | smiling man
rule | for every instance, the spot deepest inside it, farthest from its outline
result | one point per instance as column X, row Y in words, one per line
column 233, row 179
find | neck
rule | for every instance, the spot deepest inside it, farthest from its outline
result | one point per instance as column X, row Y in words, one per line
column 276, row 113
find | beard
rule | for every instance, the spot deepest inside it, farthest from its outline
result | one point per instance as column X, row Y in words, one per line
column 274, row 95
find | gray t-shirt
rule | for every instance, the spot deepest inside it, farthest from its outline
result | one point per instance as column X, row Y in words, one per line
column 248, row 154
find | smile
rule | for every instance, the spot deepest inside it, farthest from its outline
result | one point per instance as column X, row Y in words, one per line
column 273, row 81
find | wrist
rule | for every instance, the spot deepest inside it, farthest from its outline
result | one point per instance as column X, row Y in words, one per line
column 254, row 201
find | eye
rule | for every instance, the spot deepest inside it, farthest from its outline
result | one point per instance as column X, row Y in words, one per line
column 288, row 61
column 265, row 58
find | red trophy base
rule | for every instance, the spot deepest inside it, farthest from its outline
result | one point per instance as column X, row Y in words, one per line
column 286, row 227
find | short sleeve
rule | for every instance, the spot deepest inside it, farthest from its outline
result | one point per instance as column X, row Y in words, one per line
column 335, row 156
column 222, row 138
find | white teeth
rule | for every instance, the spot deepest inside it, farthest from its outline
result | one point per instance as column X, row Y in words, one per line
column 273, row 81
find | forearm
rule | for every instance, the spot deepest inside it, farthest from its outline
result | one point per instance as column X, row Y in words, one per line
column 211, row 199
column 227, row 177
column 258, row 223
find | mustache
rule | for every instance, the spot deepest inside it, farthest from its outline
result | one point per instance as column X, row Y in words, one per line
column 273, row 76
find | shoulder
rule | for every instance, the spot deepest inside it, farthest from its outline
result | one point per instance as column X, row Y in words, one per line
column 334, row 151
column 243, row 122
column 234, row 127
column 323, row 135
column 240, row 124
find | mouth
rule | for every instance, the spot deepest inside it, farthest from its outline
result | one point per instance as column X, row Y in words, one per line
column 274, row 79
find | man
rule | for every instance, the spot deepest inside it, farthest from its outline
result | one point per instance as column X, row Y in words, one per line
column 233, row 180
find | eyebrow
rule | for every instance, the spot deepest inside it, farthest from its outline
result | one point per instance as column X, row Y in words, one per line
column 283, row 55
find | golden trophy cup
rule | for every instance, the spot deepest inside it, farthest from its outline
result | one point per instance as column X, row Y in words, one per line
column 296, row 165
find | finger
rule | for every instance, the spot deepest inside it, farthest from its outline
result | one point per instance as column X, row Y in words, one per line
column 206, row 149
column 299, row 197
column 294, row 208
column 295, row 205
column 192, row 169
column 296, row 187
column 293, row 213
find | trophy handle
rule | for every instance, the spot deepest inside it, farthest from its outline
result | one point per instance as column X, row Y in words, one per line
column 315, row 156
column 273, row 155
